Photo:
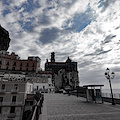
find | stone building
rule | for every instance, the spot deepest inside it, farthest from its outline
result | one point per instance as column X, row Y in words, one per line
column 42, row 82
column 12, row 62
column 4, row 39
column 12, row 99
column 56, row 66
column 63, row 73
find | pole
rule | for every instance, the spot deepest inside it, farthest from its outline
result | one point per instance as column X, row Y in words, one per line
column 77, row 91
column 113, row 103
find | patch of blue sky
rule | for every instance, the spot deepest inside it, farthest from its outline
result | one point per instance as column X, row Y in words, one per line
column 50, row 8
column 26, row 25
column 5, row 12
column 80, row 21
column 29, row 5
column 82, row 26
column 6, row 2
column 100, row 3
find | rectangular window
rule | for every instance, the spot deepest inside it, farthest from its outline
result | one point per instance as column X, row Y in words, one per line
column 1, row 99
column 14, row 99
column 27, row 64
column 12, row 109
column 33, row 65
column 43, row 87
column 14, row 64
column 6, row 68
column 7, row 63
column 20, row 68
column 3, row 86
column 21, row 64
column 16, row 86
column 13, row 68
column 0, row 62
column 37, row 87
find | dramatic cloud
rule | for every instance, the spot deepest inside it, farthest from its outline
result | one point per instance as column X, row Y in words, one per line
column 48, row 35
column 88, row 31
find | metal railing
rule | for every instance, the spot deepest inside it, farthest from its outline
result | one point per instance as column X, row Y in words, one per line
column 108, row 95
column 11, row 115
column 37, row 109
column 14, row 90
column 2, row 90
column 10, row 103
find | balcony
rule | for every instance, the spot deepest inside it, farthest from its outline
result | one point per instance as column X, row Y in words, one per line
column 12, row 115
column 14, row 91
column 2, row 91
column 11, row 104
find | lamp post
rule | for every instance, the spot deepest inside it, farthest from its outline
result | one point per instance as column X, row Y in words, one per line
column 109, row 77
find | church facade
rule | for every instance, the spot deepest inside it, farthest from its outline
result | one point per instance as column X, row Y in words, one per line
column 64, row 73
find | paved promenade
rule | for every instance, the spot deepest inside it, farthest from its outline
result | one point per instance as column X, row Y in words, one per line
column 64, row 107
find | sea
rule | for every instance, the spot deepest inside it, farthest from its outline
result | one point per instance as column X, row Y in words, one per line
column 108, row 91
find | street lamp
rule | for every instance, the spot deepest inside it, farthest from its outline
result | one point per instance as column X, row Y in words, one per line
column 109, row 77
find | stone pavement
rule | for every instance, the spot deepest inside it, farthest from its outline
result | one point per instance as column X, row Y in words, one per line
column 64, row 107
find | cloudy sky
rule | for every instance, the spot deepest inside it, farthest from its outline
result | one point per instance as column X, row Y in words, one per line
column 88, row 31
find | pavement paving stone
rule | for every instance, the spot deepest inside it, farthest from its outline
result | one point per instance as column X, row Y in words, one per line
column 64, row 107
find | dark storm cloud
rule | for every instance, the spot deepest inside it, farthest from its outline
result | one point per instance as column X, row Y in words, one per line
column 44, row 20
column 49, row 35
column 117, row 27
column 98, row 52
column 105, row 4
column 108, row 38
column 33, row 51
column 85, row 63
column 67, row 4
column 103, row 52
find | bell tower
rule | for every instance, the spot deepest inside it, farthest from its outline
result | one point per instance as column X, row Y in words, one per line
column 52, row 57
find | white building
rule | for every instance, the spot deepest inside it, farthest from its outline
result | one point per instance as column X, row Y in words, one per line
column 43, row 82
column 12, row 99
column 12, row 77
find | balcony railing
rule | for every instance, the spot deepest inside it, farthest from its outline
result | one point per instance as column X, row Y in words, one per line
column 2, row 90
column 12, row 115
column 14, row 90
column 11, row 104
